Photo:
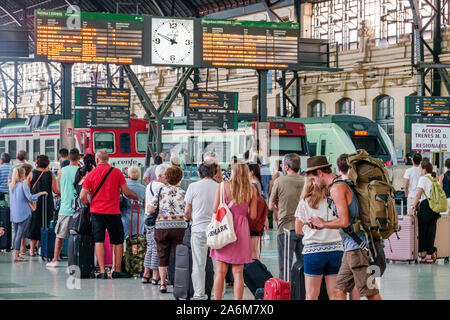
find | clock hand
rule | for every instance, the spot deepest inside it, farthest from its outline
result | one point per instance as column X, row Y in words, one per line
column 172, row 41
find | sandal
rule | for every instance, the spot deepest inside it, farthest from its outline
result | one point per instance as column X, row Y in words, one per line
column 19, row 259
column 427, row 261
column 146, row 280
column 163, row 288
column 155, row 282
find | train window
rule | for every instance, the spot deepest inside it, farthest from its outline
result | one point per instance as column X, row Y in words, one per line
column 312, row 148
column 12, row 148
column 220, row 148
column 82, row 147
column 27, row 146
column 125, row 143
column 286, row 144
column 36, row 148
column 141, row 142
column 323, row 147
column 2, row 146
column 50, row 149
column 104, row 141
column 368, row 143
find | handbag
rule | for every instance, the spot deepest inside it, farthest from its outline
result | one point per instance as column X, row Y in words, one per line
column 31, row 204
column 220, row 231
column 150, row 220
column 81, row 221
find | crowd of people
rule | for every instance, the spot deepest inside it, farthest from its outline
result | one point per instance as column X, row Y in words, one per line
column 312, row 206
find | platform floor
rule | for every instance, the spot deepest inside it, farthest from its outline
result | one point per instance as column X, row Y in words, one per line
column 31, row 280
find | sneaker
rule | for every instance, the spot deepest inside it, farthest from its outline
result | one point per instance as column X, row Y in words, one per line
column 102, row 276
column 119, row 275
column 53, row 264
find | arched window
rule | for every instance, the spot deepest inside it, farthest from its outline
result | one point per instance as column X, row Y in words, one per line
column 346, row 105
column 384, row 114
column 317, row 108
column 255, row 104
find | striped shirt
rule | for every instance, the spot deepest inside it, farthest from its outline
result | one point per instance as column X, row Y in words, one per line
column 4, row 174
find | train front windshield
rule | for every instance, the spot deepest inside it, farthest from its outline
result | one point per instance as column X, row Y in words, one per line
column 282, row 145
column 370, row 144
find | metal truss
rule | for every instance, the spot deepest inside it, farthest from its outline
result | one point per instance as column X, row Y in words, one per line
column 11, row 84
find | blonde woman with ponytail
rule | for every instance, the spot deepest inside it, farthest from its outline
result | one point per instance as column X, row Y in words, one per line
column 240, row 196
column 20, row 195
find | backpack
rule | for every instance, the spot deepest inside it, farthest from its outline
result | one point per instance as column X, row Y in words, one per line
column 257, row 225
column 438, row 198
column 370, row 181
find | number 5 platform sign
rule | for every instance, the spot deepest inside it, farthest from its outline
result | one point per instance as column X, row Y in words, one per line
column 430, row 137
column 102, row 108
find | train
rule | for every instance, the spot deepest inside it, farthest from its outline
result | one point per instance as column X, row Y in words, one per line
column 330, row 136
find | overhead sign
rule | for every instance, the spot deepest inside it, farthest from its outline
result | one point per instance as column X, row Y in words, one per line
column 430, row 105
column 216, row 110
column 430, row 137
column 411, row 119
column 249, row 44
column 99, row 38
column 14, row 41
column 102, row 107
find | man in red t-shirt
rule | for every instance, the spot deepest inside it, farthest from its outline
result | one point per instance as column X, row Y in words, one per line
column 105, row 211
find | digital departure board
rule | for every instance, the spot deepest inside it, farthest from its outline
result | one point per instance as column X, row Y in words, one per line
column 432, row 105
column 411, row 119
column 249, row 44
column 102, row 107
column 216, row 110
column 14, row 41
column 100, row 38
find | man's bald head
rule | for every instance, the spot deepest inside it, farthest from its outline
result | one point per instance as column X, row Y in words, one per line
column 102, row 156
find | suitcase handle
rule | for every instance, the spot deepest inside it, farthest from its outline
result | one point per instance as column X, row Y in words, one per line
column 287, row 240
column 138, row 213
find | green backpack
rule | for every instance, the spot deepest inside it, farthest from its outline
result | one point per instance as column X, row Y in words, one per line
column 438, row 198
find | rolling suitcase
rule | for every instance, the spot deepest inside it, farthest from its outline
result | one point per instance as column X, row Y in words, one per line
column 276, row 288
column 401, row 202
column 5, row 222
column 256, row 275
column 298, row 291
column 442, row 240
column 48, row 235
column 65, row 248
column 81, row 254
column 136, row 247
column 404, row 244
column 108, row 251
column 183, row 287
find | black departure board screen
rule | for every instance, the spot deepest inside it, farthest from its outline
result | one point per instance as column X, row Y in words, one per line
column 212, row 110
column 13, row 41
column 249, row 44
column 100, row 38
column 102, row 107
column 431, row 105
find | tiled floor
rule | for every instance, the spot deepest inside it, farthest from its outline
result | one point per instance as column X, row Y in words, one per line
column 31, row 280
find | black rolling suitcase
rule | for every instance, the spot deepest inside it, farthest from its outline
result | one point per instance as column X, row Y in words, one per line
column 298, row 291
column 48, row 235
column 401, row 202
column 81, row 254
column 5, row 222
column 183, row 287
column 255, row 275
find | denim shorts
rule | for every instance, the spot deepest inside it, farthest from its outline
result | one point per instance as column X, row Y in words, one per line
column 322, row 263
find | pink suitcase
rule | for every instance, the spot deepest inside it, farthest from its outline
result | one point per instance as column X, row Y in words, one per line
column 108, row 251
column 405, row 247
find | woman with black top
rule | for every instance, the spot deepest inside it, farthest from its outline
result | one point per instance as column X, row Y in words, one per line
column 43, row 180
column 88, row 166
column 445, row 182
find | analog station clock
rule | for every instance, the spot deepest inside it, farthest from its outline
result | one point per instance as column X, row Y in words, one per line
column 172, row 42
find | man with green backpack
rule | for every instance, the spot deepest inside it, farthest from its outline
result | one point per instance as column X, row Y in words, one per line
column 430, row 201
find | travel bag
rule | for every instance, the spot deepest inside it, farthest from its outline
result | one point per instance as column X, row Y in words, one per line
column 81, row 254
column 298, row 291
column 442, row 240
column 108, row 251
column 276, row 288
column 48, row 235
column 404, row 244
column 183, row 287
column 256, row 275
column 5, row 222
column 136, row 246
column 65, row 248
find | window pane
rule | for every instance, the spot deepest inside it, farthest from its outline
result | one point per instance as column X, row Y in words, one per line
column 141, row 142
column 104, row 141
column 36, row 148
column 50, row 149
column 125, row 143
column 12, row 149
column 2, row 146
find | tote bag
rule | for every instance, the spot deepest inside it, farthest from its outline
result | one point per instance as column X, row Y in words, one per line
column 220, row 231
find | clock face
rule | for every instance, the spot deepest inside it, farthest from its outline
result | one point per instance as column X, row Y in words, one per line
column 172, row 41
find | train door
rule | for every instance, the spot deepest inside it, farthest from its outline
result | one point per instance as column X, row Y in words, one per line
column 12, row 149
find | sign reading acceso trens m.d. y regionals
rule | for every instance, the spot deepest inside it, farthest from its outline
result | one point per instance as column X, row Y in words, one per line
column 430, row 137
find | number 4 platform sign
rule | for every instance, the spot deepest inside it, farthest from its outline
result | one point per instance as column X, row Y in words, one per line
column 430, row 137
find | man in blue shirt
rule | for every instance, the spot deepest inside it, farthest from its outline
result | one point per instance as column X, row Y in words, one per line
column 5, row 168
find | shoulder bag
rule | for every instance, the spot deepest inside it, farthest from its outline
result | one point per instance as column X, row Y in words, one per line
column 220, row 231
column 81, row 222
column 150, row 221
